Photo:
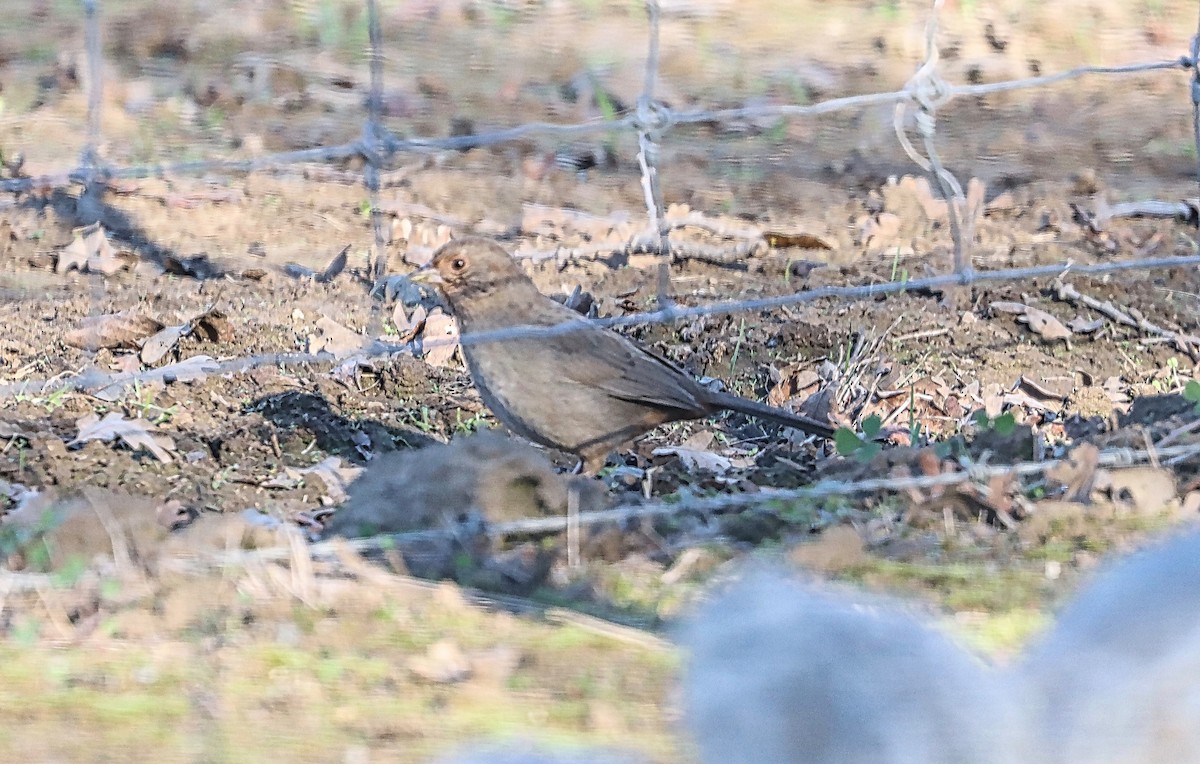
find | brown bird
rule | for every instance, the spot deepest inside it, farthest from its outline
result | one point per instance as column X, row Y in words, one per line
column 587, row 392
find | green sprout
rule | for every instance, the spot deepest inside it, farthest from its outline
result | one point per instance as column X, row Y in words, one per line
column 863, row 447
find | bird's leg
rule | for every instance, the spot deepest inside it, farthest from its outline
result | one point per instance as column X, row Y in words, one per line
column 577, row 469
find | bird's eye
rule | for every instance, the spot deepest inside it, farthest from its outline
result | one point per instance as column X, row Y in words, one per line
column 458, row 264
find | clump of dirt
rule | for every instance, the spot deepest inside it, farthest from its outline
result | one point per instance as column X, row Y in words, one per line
column 486, row 475
column 465, row 486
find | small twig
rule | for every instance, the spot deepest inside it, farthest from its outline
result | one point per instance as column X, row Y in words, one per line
column 1098, row 218
column 1177, row 433
column 1185, row 343
column 1151, row 450
column 923, row 335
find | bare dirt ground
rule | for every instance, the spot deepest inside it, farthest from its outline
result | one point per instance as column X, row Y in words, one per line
column 152, row 638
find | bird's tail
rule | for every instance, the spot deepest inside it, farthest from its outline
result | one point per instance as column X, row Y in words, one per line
column 771, row 414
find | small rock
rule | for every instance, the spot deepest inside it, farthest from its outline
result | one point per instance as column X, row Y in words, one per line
column 443, row 663
column 836, row 549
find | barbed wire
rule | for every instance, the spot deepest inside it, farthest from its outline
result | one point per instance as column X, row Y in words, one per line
column 929, row 93
column 391, row 145
column 92, row 380
column 371, row 139
column 378, row 143
column 976, row 473
column 651, row 123
column 652, row 119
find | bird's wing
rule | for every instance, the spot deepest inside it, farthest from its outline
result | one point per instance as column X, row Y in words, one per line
column 623, row 369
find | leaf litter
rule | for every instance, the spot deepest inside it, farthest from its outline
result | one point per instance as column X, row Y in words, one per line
column 92, row 252
column 134, row 433
column 125, row 330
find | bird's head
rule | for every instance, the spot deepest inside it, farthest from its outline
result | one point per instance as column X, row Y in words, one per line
column 470, row 268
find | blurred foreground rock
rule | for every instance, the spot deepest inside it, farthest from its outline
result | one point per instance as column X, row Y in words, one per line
column 787, row 672
column 53, row 532
column 782, row 672
column 464, row 486
column 1121, row 669
column 487, row 475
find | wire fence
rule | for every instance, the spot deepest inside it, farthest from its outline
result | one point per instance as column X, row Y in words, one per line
column 915, row 121
column 652, row 121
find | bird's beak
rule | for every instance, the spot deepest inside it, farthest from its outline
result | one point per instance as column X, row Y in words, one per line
column 426, row 275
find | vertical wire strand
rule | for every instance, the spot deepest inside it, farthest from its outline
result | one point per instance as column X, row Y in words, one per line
column 650, row 122
column 371, row 141
column 1195, row 64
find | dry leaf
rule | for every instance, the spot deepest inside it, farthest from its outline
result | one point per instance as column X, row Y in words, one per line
column 107, row 260
column 791, row 383
column 976, row 193
column 993, row 399
column 1003, row 202
column 126, row 329
column 135, row 433
column 1019, row 397
column 882, row 232
column 922, row 192
column 408, row 325
column 695, row 454
column 127, row 363
column 1044, row 324
column 211, row 326
column 694, row 459
column 782, row 238
column 835, row 550
column 1077, row 472
column 74, row 256
column 1040, row 390
column 1141, row 490
column 336, row 339
column 161, row 342
column 92, row 252
column 441, row 333
column 286, row 479
column 336, row 476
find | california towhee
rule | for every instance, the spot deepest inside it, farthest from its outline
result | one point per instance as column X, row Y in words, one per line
column 587, row 392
